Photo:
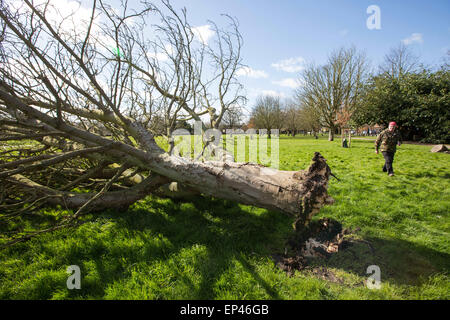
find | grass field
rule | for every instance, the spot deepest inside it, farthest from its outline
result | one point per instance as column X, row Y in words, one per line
column 215, row 249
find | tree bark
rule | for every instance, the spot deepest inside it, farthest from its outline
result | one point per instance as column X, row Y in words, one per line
column 298, row 193
column 72, row 200
column 331, row 134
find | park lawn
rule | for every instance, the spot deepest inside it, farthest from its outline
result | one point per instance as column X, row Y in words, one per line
column 215, row 249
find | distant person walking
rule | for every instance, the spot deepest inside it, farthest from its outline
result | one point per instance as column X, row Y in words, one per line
column 388, row 139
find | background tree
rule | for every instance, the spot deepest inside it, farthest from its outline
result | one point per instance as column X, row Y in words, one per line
column 267, row 113
column 399, row 61
column 291, row 115
column 334, row 85
column 233, row 118
column 309, row 119
column 446, row 61
column 419, row 102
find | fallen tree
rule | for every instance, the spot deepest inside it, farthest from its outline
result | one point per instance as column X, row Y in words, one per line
column 80, row 120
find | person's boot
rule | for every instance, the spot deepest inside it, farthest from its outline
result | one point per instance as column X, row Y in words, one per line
column 391, row 174
column 384, row 168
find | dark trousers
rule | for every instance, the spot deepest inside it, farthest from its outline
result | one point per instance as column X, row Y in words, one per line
column 389, row 159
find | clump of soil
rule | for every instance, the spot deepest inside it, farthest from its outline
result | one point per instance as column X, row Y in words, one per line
column 320, row 238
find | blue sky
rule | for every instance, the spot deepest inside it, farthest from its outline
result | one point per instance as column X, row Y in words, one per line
column 279, row 35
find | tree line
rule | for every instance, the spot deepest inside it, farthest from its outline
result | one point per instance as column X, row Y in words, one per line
column 344, row 93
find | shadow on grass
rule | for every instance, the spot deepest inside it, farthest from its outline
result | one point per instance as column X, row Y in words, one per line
column 401, row 262
column 427, row 174
column 230, row 235
column 233, row 235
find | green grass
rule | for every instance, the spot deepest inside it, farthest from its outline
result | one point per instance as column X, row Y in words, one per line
column 215, row 249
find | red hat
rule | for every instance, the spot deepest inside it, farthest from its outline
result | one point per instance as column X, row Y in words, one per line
column 392, row 123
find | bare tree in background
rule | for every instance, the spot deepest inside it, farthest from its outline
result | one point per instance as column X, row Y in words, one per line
column 446, row 61
column 267, row 113
column 399, row 61
column 83, row 95
column 291, row 117
column 335, row 85
column 309, row 119
column 233, row 118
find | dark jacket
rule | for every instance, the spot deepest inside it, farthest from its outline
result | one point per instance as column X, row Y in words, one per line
column 388, row 140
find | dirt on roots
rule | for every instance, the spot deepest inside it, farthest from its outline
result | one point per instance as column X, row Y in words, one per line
column 321, row 238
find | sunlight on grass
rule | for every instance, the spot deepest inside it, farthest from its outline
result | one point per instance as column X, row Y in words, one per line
column 215, row 249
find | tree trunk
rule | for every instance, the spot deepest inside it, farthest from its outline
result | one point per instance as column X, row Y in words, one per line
column 72, row 200
column 298, row 193
column 331, row 134
column 349, row 138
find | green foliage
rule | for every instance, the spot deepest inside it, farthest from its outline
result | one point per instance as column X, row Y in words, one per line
column 215, row 249
column 418, row 102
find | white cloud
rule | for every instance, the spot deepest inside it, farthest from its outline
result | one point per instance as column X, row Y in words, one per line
column 415, row 37
column 290, row 65
column 288, row 82
column 70, row 19
column 203, row 33
column 56, row 10
column 162, row 55
column 251, row 73
column 158, row 56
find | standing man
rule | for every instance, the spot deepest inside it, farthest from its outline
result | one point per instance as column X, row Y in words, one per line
column 388, row 138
